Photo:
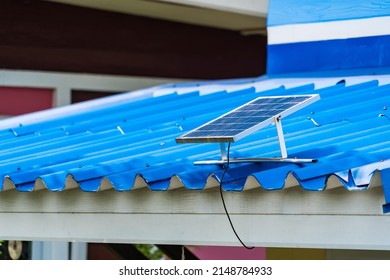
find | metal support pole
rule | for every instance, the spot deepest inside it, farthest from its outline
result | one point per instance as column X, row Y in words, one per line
column 282, row 143
column 222, row 147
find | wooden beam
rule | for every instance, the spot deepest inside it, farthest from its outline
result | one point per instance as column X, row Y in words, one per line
column 224, row 14
column 57, row 37
column 177, row 252
column 127, row 251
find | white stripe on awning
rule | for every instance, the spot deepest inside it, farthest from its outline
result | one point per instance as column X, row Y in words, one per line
column 331, row 30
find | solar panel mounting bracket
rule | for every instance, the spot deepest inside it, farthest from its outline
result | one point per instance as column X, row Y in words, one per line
column 247, row 119
column 256, row 160
column 283, row 150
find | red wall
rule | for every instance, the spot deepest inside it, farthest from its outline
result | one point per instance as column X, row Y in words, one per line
column 22, row 100
column 227, row 253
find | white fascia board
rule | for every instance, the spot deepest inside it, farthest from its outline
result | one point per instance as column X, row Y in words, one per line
column 80, row 81
column 246, row 7
column 303, row 231
column 335, row 218
column 328, row 30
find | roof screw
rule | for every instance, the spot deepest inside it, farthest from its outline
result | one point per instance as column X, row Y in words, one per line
column 179, row 126
column 385, row 108
column 313, row 121
column 162, row 143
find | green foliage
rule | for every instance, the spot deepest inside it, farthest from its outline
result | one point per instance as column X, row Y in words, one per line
column 2, row 250
column 150, row 251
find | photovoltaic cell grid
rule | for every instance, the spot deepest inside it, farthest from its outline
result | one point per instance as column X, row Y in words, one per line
column 247, row 119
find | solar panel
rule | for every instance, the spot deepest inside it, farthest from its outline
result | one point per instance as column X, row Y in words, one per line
column 247, row 119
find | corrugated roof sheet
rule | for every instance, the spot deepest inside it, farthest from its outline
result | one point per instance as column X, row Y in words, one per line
column 127, row 141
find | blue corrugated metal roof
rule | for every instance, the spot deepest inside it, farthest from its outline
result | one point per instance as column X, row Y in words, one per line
column 128, row 141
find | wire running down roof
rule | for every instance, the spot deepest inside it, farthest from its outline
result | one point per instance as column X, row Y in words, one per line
column 127, row 141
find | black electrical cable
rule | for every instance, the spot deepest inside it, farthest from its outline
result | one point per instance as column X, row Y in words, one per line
column 223, row 200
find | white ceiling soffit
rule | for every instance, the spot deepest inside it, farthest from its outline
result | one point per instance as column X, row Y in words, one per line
column 247, row 16
column 257, row 8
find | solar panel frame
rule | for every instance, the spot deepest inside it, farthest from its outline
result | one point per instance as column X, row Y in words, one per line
column 254, row 121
